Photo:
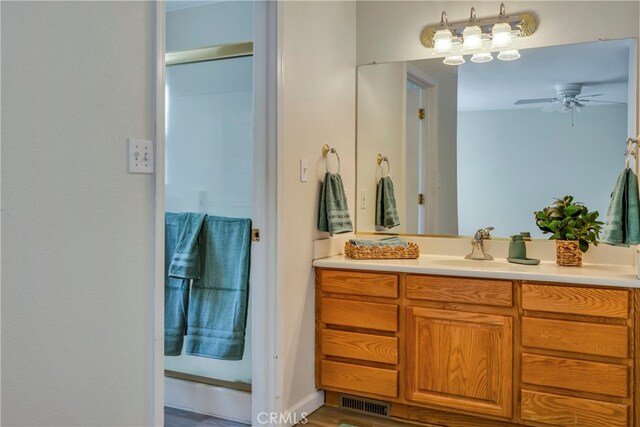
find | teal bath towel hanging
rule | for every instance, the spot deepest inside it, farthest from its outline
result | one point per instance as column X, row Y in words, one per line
column 386, row 209
column 182, row 252
column 334, row 212
column 218, row 305
column 622, row 225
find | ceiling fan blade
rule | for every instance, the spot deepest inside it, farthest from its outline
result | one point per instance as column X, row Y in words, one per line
column 603, row 102
column 555, row 105
column 587, row 96
column 534, row 101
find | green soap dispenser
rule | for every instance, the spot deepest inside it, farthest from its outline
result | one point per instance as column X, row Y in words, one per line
column 517, row 248
column 518, row 251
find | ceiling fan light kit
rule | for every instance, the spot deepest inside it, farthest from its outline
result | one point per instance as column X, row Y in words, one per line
column 478, row 37
column 568, row 99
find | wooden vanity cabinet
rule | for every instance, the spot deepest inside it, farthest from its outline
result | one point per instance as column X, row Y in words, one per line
column 357, row 324
column 467, row 352
column 576, row 355
column 459, row 357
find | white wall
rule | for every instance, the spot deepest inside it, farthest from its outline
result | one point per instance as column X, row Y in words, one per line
column 381, row 127
column 549, row 158
column 316, row 96
column 77, row 247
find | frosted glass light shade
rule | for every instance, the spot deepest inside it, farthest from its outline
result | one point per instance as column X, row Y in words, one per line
column 443, row 41
column 482, row 57
column 454, row 60
column 472, row 38
column 501, row 36
column 509, row 55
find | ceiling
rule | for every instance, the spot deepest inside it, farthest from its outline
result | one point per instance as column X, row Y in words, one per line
column 602, row 67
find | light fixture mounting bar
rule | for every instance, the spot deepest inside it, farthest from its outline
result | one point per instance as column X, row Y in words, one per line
column 524, row 24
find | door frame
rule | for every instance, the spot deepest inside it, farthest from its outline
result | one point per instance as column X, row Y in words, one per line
column 429, row 154
column 263, row 270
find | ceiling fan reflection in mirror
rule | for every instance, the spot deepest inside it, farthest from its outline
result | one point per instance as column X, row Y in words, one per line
column 567, row 99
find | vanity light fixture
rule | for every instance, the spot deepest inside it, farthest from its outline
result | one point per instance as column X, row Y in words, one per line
column 509, row 55
column 478, row 36
column 482, row 57
column 472, row 34
column 501, row 32
column 443, row 39
column 454, row 60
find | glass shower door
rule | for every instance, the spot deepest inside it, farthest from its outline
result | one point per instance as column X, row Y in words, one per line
column 209, row 166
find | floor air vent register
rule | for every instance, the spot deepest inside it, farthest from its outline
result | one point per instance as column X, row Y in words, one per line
column 368, row 406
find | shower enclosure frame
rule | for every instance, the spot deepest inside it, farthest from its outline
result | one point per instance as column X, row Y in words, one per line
column 265, row 385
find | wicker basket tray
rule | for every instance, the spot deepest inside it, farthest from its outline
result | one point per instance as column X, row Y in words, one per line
column 381, row 252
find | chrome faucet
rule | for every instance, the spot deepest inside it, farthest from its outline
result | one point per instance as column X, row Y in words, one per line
column 477, row 245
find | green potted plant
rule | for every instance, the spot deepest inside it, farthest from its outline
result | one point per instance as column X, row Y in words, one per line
column 573, row 228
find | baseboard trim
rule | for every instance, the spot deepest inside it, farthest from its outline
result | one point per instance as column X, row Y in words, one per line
column 207, row 399
column 300, row 410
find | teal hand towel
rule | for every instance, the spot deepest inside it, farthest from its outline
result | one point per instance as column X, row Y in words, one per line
column 622, row 225
column 388, row 241
column 185, row 262
column 218, row 305
column 176, row 289
column 386, row 210
column 334, row 213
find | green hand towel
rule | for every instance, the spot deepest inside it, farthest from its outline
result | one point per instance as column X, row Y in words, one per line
column 386, row 211
column 622, row 226
column 334, row 213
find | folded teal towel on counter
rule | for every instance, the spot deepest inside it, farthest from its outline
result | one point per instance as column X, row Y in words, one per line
column 181, row 258
column 622, row 225
column 334, row 213
column 386, row 210
column 218, row 306
column 388, row 241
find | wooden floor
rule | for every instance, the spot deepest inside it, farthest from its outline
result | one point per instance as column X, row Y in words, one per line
column 327, row 416
column 178, row 418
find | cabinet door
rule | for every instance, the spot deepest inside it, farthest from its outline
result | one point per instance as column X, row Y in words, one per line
column 459, row 360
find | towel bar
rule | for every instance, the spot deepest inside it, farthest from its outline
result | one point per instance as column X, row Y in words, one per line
column 325, row 152
column 380, row 158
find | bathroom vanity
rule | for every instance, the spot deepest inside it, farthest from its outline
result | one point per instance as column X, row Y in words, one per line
column 452, row 344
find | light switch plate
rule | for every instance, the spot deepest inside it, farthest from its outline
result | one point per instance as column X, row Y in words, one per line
column 304, row 170
column 140, row 156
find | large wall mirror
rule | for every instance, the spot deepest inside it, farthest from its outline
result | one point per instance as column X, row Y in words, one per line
column 487, row 144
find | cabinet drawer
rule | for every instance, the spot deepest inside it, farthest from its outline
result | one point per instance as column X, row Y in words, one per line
column 578, row 375
column 383, row 382
column 577, row 337
column 456, row 289
column 360, row 314
column 356, row 283
column 352, row 345
column 576, row 300
column 571, row 411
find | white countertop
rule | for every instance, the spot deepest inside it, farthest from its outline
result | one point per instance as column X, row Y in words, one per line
column 588, row 274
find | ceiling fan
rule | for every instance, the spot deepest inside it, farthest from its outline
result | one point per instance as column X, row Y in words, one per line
column 567, row 99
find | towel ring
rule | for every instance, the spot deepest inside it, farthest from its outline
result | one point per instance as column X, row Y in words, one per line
column 380, row 158
column 325, row 152
column 630, row 147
